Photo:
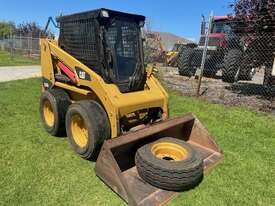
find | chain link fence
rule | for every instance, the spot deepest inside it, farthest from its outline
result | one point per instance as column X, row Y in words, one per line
column 21, row 45
column 227, row 67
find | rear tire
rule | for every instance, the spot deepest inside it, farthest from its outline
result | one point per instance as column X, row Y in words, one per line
column 184, row 62
column 154, row 165
column 268, row 77
column 248, row 74
column 231, row 65
column 53, row 107
column 87, row 126
column 210, row 68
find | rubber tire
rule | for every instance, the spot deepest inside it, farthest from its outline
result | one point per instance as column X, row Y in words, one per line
column 97, row 123
column 247, row 75
column 60, row 101
column 184, row 62
column 247, row 71
column 231, row 63
column 170, row 175
column 210, row 68
column 268, row 77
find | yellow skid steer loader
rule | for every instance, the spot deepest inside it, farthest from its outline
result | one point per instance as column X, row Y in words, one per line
column 97, row 91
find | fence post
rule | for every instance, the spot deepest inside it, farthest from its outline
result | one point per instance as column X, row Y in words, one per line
column 31, row 39
column 28, row 40
column 204, row 53
column 12, row 45
column 20, row 40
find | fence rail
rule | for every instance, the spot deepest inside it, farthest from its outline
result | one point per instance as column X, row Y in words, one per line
column 20, row 44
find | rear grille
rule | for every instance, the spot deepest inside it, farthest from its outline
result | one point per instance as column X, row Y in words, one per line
column 80, row 39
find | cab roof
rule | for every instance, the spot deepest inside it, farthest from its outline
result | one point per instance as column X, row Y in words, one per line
column 221, row 18
column 98, row 14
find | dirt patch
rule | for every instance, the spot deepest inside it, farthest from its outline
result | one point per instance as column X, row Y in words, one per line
column 251, row 94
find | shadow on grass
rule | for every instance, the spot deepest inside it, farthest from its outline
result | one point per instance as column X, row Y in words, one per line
column 252, row 89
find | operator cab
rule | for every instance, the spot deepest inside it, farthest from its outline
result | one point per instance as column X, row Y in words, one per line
column 116, row 54
column 222, row 27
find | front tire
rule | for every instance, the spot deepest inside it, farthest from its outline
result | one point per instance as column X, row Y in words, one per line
column 231, row 68
column 87, row 127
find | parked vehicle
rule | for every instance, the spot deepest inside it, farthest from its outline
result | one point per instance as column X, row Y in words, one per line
column 224, row 51
column 173, row 55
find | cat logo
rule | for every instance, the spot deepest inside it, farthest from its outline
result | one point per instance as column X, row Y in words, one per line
column 82, row 74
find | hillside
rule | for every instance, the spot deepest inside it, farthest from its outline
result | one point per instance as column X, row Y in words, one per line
column 168, row 40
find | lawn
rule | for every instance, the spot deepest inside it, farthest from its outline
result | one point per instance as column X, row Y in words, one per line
column 38, row 169
column 16, row 60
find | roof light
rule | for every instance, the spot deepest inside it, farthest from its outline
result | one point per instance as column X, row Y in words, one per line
column 105, row 13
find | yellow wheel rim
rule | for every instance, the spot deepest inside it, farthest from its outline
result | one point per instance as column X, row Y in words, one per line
column 48, row 113
column 79, row 130
column 169, row 151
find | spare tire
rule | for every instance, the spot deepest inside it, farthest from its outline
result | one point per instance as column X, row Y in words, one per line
column 169, row 164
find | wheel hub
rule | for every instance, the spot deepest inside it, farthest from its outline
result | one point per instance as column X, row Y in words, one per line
column 79, row 130
column 169, row 151
column 48, row 113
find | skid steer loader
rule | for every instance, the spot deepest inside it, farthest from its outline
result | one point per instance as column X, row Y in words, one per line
column 97, row 91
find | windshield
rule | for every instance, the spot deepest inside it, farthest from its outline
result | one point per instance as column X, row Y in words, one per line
column 222, row 27
column 123, row 41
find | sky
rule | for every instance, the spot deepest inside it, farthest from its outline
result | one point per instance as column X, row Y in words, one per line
column 181, row 17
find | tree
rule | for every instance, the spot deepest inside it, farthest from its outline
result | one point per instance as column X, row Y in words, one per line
column 258, row 15
column 6, row 29
column 31, row 29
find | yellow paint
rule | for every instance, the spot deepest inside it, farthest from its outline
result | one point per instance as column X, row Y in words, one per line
column 169, row 151
column 170, row 56
column 72, row 88
column 115, row 103
column 79, row 130
column 48, row 113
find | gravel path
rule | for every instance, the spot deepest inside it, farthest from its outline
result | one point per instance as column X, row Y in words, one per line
column 19, row 72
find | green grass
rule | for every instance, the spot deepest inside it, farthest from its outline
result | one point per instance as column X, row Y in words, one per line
column 38, row 169
column 16, row 60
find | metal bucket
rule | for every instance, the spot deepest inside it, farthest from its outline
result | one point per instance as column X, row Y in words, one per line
column 116, row 162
